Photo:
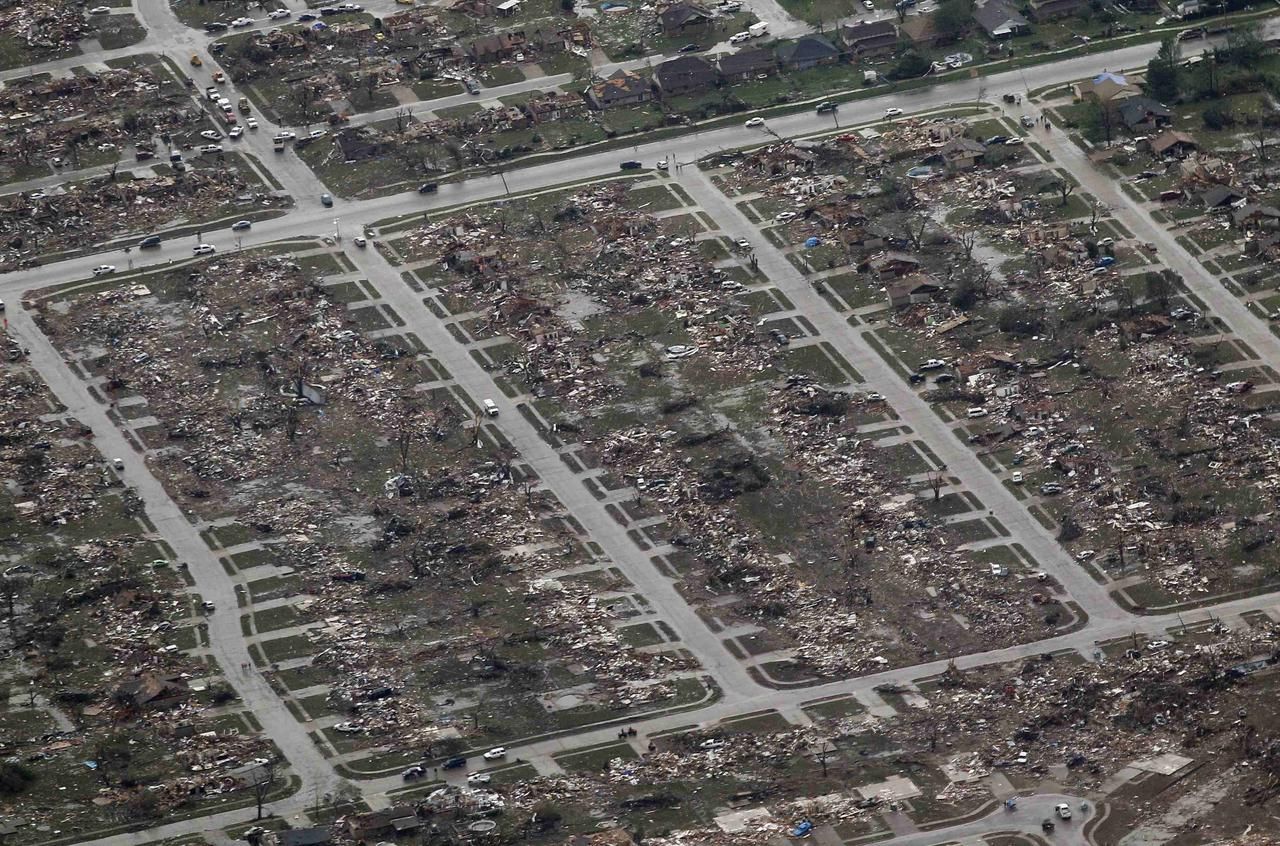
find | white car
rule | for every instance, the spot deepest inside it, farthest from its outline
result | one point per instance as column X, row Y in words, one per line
column 870, row 7
column 496, row 753
column 756, row 121
column 360, row 241
column 739, row 38
column 933, row 364
column 661, row 165
column 240, row 23
column 203, row 249
column 286, row 135
column 251, row 122
column 100, row 10
column 348, row 728
column 1013, row 142
column 479, row 778
column 37, row 195
column 279, row 14
column 1063, row 810
column 892, row 111
column 316, row 133
column 236, row 132
column 211, row 148
column 977, row 411
column 785, row 217
column 104, row 269
column 1016, row 477
column 211, row 134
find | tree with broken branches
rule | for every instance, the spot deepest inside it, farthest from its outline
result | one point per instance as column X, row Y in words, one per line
column 1057, row 184
column 265, row 778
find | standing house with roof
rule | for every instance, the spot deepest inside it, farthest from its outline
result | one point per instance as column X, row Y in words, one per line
column 808, row 52
column 622, row 88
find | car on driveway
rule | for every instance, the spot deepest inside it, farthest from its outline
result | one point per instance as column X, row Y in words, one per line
column 739, row 38
column 933, row 364
column 892, row 111
column 755, row 121
column 690, row 48
column 104, row 269
column 241, row 225
column 100, row 10
column 203, row 249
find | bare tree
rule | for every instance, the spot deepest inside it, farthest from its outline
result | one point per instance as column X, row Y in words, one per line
column 937, row 478
column 265, row 778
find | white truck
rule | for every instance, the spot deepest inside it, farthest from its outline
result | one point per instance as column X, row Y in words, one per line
column 758, row 29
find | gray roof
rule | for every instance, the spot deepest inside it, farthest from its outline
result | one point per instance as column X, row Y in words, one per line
column 807, row 49
column 996, row 15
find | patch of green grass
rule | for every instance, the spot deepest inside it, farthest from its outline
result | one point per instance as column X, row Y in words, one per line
column 594, row 760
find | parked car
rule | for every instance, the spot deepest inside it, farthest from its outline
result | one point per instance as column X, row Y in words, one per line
column 211, row 148
column 497, row 753
column 241, row 225
column 977, row 411
column 755, row 121
column 251, row 122
column 472, row 85
column 630, row 165
column 215, row 26
column 1063, row 810
column 100, row 10
column 279, row 14
column 240, row 23
column 104, row 269
column 219, row 77
column 211, row 134
column 892, row 111
column 143, row 155
column 212, row 94
column 996, row 139
column 1013, row 142
column 739, row 37
column 415, row 772
column 235, row 133
column 690, row 48
column 349, row 728
column 326, row 200
column 1016, row 477
column 479, row 778
column 784, row 217
column 360, row 241
column 454, row 763
column 203, row 249
column 932, row 364
column 490, row 408
column 149, row 243
column 306, row 16
column 827, row 107
column 284, row 135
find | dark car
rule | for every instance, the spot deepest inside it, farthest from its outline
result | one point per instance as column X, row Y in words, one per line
column 326, row 201
column 428, row 187
column 217, row 48
column 149, row 242
column 306, row 16
column 631, row 165
column 690, row 48
column 996, row 139
column 827, row 108
column 143, row 155
column 215, row 26
column 454, row 763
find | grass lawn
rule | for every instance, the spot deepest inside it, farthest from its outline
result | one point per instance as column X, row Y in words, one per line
column 115, row 31
column 14, row 53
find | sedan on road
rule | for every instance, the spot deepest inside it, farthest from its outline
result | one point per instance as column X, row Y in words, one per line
column 239, row 23
column 104, row 269
column 236, row 132
column 278, row 14
column 241, row 225
column 755, row 121
column 203, row 249
column 496, row 753
column 892, row 111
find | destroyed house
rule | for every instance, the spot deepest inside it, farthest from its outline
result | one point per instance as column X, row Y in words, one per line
column 622, row 88
column 684, row 18
column 553, row 106
column 1047, row 10
column 1255, row 216
column 377, row 825
column 916, row 288
column 685, row 74
column 959, row 153
column 496, row 48
column 1172, row 143
column 870, row 38
column 1220, row 196
column 894, row 264
column 808, row 52
column 356, row 145
column 748, row 64
column 1000, row 20
column 1142, row 114
column 316, row 836
column 151, row 692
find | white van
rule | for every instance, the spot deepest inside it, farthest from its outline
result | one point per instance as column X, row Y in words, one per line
column 978, row 411
column 490, row 408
